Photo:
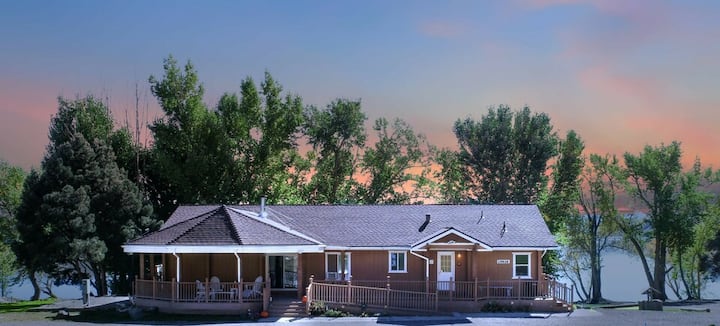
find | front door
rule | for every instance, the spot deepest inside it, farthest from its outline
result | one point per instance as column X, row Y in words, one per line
column 283, row 272
column 446, row 271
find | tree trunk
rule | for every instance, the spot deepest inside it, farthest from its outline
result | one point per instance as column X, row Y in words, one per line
column 35, row 285
column 659, row 273
column 595, row 272
column 690, row 293
column 100, row 281
column 643, row 260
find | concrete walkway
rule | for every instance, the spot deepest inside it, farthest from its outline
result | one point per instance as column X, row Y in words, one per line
column 77, row 304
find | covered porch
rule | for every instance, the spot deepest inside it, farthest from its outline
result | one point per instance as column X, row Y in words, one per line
column 218, row 282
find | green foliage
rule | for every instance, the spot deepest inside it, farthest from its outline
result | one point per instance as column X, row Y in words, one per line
column 76, row 214
column 238, row 153
column 389, row 164
column 452, row 185
column 654, row 176
column 336, row 135
column 505, row 155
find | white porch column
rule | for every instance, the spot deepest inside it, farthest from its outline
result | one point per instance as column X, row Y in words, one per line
column 239, row 267
column 177, row 267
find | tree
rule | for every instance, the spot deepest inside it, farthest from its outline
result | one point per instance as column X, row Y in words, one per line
column 336, row 134
column 591, row 230
column 390, row 161
column 452, row 186
column 238, row 153
column 11, row 182
column 558, row 204
column 654, row 175
column 709, row 245
column 77, row 213
column 505, row 155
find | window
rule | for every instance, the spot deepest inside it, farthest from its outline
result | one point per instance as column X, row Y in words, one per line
column 521, row 265
column 397, row 261
column 337, row 268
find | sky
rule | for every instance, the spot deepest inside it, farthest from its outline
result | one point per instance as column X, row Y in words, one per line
column 623, row 74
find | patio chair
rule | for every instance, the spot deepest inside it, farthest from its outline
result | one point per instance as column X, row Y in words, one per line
column 255, row 290
column 200, row 288
column 215, row 287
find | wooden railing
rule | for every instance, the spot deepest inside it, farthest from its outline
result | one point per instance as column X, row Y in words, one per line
column 373, row 297
column 423, row 295
column 207, row 292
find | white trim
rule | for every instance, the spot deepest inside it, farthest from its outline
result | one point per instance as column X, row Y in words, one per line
column 438, row 235
column 529, row 265
column 345, row 248
column 337, row 264
column 272, row 223
column 524, row 248
column 242, row 249
column 405, row 261
column 446, row 286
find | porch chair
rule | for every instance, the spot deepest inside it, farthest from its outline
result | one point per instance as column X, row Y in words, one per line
column 215, row 287
column 255, row 290
column 200, row 290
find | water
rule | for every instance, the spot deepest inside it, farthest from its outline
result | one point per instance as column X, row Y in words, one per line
column 623, row 279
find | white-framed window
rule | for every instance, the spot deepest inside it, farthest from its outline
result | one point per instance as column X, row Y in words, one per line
column 397, row 262
column 522, row 265
column 337, row 267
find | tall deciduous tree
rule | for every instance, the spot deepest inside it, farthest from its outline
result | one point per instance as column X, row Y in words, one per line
column 654, row 175
column 336, row 134
column 592, row 229
column 558, row 204
column 506, row 154
column 11, row 183
column 452, row 186
column 238, row 153
column 390, row 162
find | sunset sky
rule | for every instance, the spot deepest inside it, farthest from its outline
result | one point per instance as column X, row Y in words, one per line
column 623, row 74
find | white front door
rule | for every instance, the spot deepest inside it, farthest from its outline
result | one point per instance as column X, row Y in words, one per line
column 446, row 270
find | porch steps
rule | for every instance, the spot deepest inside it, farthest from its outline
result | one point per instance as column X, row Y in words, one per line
column 283, row 307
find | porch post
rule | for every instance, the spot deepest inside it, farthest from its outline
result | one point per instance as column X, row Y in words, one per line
column 266, row 291
column 239, row 267
column 153, row 272
column 300, row 275
column 177, row 267
column 142, row 266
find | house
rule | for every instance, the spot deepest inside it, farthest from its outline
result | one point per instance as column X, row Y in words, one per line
column 405, row 257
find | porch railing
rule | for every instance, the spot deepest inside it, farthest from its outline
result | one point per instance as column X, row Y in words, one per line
column 424, row 295
column 190, row 291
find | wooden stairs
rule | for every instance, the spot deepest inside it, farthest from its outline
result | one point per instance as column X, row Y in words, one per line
column 286, row 308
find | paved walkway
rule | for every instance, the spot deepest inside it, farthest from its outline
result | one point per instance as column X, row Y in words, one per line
column 77, row 304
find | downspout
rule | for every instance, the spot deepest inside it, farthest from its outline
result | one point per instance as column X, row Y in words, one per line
column 427, row 264
column 239, row 269
column 177, row 266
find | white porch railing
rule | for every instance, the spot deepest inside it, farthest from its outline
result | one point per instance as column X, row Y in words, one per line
column 190, row 291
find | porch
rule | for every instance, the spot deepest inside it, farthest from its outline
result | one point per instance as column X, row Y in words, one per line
column 432, row 296
column 201, row 297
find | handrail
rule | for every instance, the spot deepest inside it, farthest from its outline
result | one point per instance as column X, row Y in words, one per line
column 206, row 291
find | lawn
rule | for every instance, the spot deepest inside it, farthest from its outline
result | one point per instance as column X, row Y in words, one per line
column 23, row 306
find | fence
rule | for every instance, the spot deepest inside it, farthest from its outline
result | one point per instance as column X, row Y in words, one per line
column 199, row 291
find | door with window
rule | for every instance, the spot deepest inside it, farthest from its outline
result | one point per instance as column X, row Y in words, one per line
column 283, row 272
column 446, row 271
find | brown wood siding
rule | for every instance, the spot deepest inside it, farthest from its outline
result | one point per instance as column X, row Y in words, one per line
column 224, row 266
column 314, row 264
column 253, row 266
column 486, row 266
column 373, row 265
column 194, row 267
column 451, row 237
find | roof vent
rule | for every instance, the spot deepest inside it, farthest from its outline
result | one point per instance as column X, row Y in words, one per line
column 481, row 217
column 263, row 212
column 424, row 225
column 503, row 230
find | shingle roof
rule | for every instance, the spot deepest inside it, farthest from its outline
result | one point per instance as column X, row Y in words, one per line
column 357, row 226
column 218, row 226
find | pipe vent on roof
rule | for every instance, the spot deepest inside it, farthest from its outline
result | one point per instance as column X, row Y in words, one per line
column 263, row 211
column 424, row 225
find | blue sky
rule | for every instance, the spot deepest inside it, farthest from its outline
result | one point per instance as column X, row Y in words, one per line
column 622, row 73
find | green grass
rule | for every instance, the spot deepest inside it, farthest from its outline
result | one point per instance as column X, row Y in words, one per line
column 23, row 306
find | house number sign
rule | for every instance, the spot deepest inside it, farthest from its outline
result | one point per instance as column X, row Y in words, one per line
column 503, row 261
